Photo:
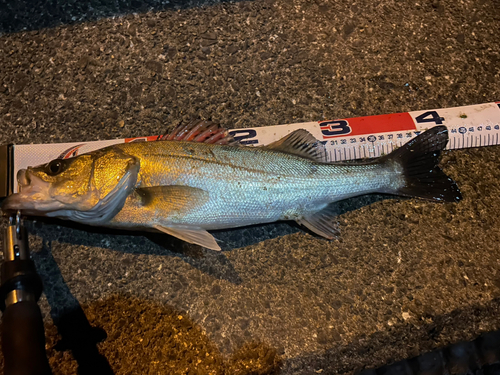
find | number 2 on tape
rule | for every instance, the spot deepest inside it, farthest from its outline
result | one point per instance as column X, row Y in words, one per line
column 243, row 136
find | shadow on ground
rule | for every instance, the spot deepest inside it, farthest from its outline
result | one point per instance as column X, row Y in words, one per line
column 128, row 335
column 27, row 15
column 145, row 337
column 160, row 244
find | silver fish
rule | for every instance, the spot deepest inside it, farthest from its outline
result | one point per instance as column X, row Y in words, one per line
column 186, row 188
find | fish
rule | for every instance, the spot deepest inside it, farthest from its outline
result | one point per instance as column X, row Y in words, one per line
column 185, row 186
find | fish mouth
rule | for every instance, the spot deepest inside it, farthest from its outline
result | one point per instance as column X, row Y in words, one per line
column 23, row 179
column 33, row 197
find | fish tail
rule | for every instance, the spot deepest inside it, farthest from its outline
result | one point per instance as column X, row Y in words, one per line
column 422, row 176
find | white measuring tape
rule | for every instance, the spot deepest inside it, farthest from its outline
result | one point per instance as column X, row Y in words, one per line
column 372, row 136
column 345, row 139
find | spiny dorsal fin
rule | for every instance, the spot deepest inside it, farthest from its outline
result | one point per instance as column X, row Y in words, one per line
column 300, row 142
column 201, row 131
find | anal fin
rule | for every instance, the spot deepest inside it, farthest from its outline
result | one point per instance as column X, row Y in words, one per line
column 322, row 222
column 194, row 235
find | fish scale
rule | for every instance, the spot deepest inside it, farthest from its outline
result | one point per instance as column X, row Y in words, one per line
column 250, row 185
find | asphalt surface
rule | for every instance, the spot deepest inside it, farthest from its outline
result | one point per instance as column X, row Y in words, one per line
column 405, row 277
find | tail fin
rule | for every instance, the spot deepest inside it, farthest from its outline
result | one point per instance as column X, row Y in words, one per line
column 419, row 158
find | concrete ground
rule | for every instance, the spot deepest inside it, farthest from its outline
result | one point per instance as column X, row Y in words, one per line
column 404, row 278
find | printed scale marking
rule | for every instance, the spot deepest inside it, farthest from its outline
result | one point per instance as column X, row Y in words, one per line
column 345, row 139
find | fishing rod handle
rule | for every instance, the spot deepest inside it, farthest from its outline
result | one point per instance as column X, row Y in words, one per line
column 23, row 340
column 22, row 332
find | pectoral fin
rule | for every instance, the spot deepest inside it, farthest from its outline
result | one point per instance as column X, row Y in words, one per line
column 194, row 235
column 172, row 203
column 164, row 209
column 171, row 200
column 322, row 223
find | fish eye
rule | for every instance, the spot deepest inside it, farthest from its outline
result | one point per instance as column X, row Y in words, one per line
column 55, row 167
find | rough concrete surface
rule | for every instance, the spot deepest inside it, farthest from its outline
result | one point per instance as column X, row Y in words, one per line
column 405, row 277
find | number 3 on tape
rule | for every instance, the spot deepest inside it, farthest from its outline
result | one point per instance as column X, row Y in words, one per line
column 334, row 128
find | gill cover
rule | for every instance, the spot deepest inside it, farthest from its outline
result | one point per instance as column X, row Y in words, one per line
column 114, row 176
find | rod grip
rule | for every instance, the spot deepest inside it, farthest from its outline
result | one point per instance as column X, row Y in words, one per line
column 23, row 340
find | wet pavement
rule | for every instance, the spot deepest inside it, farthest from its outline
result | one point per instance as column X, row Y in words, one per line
column 405, row 277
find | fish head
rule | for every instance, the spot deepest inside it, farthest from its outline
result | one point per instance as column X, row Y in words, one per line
column 89, row 188
column 59, row 184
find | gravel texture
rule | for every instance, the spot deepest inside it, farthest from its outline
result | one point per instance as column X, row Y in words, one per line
column 405, row 276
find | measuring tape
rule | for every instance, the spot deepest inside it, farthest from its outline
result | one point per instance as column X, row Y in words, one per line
column 373, row 136
column 344, row 139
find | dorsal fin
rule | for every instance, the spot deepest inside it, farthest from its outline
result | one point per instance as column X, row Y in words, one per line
column 302, row 143
column 202, row 131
